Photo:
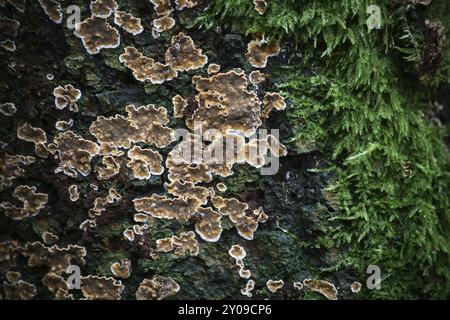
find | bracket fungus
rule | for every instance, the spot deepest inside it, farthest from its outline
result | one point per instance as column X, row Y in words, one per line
column 163, row 24
column 9, row 27
column 18, row 4
column 108, row 168
column 67, row 96
column 356, row 287
column 208, row 224
column 101, row 203
column 56, row 284
column 97, row 34
column 32, row 203
column 62, row 125
column 298, row 285
column 9, row 253
column 11, row 168
column 8, row 45
column 137, row 62
column 74, row 193
column 274, row 285
column 162, row 7
column 187, row 190
column 8, row 109
column 326, row 288
column 157, row 288
column 273, row 100
column 49, row 238
column 188, row 4
column 52, row 9
column 19, row 290
column 166, row 208
column 259, row 51
column 256, row 77
column 128, row 22
column 237, row 252
column 179, row 106
column 260, row 6
column 101, row 288
column 186, row 242
column 121, row 269
column 38, row 136
column 74, row 152
column 183, row 55
column 213, row 68
column 103, row 8
column 145, row 162
column 247, row 291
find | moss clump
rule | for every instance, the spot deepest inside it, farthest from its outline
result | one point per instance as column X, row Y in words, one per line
column 363, row 106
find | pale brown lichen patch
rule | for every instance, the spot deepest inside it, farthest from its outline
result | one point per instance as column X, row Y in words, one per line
column 49, row 238
column 121, row 269
column 35, row 135
column 213, row 68
column 101, row 288
column 74, row 153
column 108, row 168
column 144, row 163
column 259, row 51
column 157, row 288
column 128, row 22
column 273, row 100
column 260, row 6
column 8, row 45
column 67, row 96
column 274, row 285
column 326, row 288
column 52, row 9
column 8, row 109
column 162, row 7
column 97, row 34
column 103, row 8
column 9, row 27
column 32, row 203
column 179, row 106
column 183, row 55
column 163, row 24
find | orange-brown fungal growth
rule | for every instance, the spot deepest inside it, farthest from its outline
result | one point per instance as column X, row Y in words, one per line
column 213, row 68
column 187, row 190
column 326, row 288
column 237, row 252
column 356, row 287
column 52, row 9
column 101, row 288
column 128, row 22
column 274, row 285
column 62, row 125
column 74, row 153
column 145, row 162
column 181, row 245
column 208, row 224
column 163, row 24
column 224, row 103
column 259, row 51
column 49, row 238
column 56, row 258
column 157, row 288
column 179, row 106
column 273, row 100
column 256, row 77
column 103, row 8
column 247, row 291
column 183, row 55
column 33, row 202
column 36, row 135
column 56, row 284
column 121, row 269
column 9, row 27
column 260, row 6
column 8, row 109
column 162, row 7
column 166, row 208
column 67, row 96
column 188, row 4
column 108, row 168
column 11, row 168
column 137, row 62
column 101, row 203
column 19, row 290
column 96, row 34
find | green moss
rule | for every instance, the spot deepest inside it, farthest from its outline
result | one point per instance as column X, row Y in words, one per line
column 363, row 109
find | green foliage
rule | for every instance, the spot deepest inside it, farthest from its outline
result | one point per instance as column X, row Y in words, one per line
column 364, row 107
